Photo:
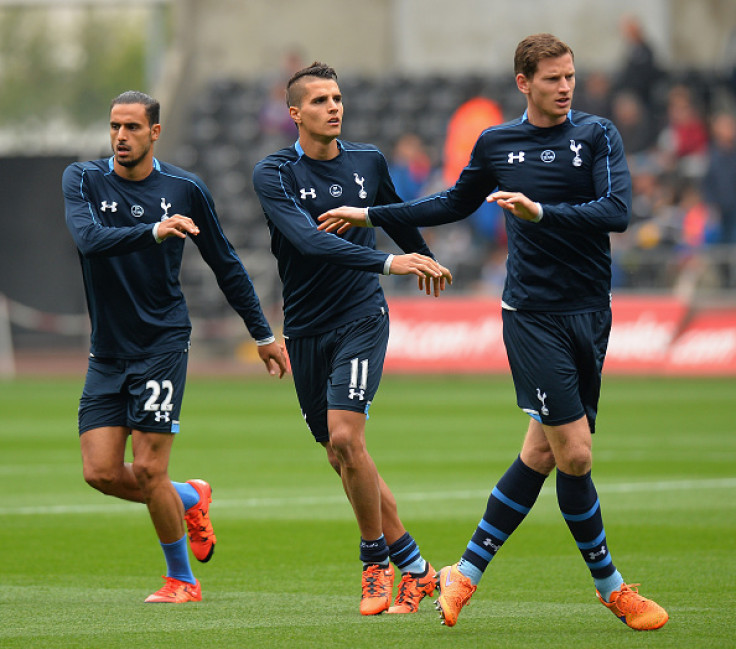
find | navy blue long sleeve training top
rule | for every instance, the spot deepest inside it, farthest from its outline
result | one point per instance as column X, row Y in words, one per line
column 578, row 172
column 328, row 280
column 134, row 297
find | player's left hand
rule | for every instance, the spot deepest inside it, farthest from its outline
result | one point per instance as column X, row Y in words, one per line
column 176, row 225
column 435, row 285
column 341, row 219
column 274, row 357
column 516, row 203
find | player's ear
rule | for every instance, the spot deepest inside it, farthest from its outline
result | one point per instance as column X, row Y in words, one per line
column 155, row 132
column 295, row 114
column 522, row 83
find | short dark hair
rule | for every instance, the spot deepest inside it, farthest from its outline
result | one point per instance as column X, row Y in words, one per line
column 295, row 89
column 536, row 47
column 153, row 108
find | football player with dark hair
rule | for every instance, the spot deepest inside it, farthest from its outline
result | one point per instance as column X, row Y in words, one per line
column 336, row 320
column 130, row 215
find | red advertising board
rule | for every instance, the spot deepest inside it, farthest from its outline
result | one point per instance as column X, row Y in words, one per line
column 455, row 335
column 706, row 346
column 650, row 335
column 644, row 328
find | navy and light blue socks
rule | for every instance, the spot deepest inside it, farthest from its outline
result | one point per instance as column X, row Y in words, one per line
column 374, row 552
column 510, row 501
column 581, row 510
column 404, row 552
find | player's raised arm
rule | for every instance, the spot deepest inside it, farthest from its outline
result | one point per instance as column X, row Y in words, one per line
column 341, row 219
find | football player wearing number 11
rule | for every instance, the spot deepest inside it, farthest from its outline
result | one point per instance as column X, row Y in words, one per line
column 130, row 215
column 561, row 177
column 336, row 316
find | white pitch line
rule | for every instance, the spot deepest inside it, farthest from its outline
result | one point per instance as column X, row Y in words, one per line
column 339, row 498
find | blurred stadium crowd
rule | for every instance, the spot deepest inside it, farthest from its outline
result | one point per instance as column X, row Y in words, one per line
column 678, row 128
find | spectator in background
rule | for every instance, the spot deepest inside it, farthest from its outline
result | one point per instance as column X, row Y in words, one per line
column 465, row 126
column 410, row 167
column 698, row 229
column 719, row 182
column 274, row 118
column 639, row 72
column 595, row 96
column 633, row 123
column 684, row 138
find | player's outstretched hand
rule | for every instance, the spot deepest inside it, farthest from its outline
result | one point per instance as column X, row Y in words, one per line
column 274, row 358
column 516, row 203
column 431, row 274
column 435, row 285
column 341, row 219
column 176, row 226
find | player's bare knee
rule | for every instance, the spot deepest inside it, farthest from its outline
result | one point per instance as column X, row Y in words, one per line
column 539, row 459
column 576, row 462
column 103, row 481
column 348, row 449
column 545, row 463
column 147, row 474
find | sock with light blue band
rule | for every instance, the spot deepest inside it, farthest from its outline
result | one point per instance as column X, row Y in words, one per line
column 404, row 552
column 374, row 552
column 581, row 509
column 606, row 586
column 509, row 503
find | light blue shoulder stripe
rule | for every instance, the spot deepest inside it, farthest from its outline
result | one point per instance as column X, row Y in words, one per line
column 194, row 182
column 608, row 154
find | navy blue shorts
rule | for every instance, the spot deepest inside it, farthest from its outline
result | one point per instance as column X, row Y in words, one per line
column 556, row 363
column 338, row 370
column 142, row 394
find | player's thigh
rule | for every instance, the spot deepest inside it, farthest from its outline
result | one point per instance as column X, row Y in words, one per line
column 310, row 369
column 151, row 452
column 156, row 390
column 543, row 365
column 103, row 450
column 592, row 331
column 103, row 402
column 357, row 364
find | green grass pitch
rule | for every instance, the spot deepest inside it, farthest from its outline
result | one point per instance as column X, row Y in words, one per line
column 77, row 565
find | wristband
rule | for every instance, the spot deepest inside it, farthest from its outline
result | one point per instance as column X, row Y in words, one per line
column 387, row 265
column 539, row 216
